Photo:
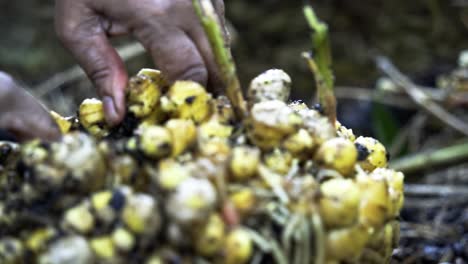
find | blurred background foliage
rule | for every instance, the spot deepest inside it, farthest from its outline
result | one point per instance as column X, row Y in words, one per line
column 422, row 37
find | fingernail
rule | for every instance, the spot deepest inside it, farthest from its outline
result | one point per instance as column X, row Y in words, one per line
column 110, row 110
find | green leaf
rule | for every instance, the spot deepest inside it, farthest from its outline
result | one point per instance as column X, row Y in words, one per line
column 385, row 126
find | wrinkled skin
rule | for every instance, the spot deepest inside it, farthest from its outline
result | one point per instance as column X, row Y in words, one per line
column 22, row 115
column 168, row 29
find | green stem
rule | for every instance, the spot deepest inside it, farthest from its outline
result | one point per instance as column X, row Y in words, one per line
column 321, row 45
column 427, row 159
column 326, row 97
column 222, row 54
column 320, row 63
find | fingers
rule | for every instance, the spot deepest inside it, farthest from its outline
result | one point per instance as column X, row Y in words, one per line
column 82, row 32
column 22, row 115
column 173, row 52
column 24, row 127
column 169, row 30
column 5, row 81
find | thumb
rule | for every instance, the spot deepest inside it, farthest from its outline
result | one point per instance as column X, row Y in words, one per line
column 27, row 126
column 81, row 31
column 22, row 115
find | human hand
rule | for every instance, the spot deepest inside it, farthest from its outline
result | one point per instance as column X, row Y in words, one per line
column 168, row 29
column 22, row 115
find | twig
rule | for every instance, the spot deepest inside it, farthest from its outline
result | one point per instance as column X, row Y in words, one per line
column 427, row 159
column 398, row 97
column 401, row 138
column 320, row 63
column 435, row 190
column 448, row 96
column 437, row 94
column 75, row 73
column 367, row 94
column 406, row 135
column 421, row 98
column 455, row 174
column 399, row 141
column 427, row 231
column 426, row 203
column 210, row 21
column 416, row 131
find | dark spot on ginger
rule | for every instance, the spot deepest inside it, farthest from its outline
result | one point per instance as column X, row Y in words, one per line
column 117, row 201
column 190, row 99
column 363, row 152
